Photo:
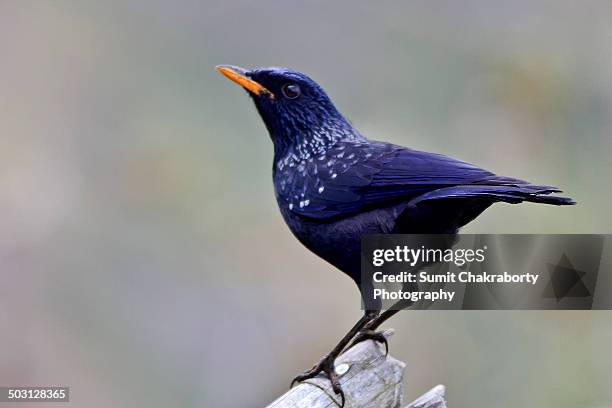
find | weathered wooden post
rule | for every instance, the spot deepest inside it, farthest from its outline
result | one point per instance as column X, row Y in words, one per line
column 369, row 380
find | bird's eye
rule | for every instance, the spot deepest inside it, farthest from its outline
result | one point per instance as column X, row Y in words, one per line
column 291, row 91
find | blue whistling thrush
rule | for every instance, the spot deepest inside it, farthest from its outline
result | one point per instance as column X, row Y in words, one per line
column 334, row 185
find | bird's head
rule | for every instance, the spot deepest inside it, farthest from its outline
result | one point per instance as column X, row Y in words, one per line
column 296, row 110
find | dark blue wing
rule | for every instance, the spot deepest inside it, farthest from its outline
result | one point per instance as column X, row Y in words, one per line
column 355, row 176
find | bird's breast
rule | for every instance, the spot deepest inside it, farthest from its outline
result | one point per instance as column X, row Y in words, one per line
column 339, row 241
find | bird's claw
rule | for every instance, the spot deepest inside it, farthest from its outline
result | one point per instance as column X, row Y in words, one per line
column 326, row 366
column 367, row 334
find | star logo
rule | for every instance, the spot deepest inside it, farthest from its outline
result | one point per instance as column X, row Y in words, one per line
column 565, row 281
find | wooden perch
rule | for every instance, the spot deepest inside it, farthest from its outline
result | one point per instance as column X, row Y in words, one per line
column 433, row 398
column 368, row 378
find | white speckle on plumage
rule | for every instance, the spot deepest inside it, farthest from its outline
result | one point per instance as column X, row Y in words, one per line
column 335, row 148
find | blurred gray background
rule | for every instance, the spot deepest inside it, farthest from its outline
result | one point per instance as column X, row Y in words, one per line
column 143, row 260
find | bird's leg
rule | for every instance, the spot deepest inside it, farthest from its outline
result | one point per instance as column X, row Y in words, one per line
column 326, row 365
column 368, row 332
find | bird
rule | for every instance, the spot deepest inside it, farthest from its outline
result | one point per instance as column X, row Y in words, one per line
column 334, row 185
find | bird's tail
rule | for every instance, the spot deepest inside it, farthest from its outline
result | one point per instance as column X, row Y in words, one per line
column 512, row 193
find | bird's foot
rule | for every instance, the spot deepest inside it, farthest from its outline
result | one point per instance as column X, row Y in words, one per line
column 368, row 334
column 326, row 367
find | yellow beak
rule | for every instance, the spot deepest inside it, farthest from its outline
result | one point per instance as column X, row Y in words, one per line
column 238, row 75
